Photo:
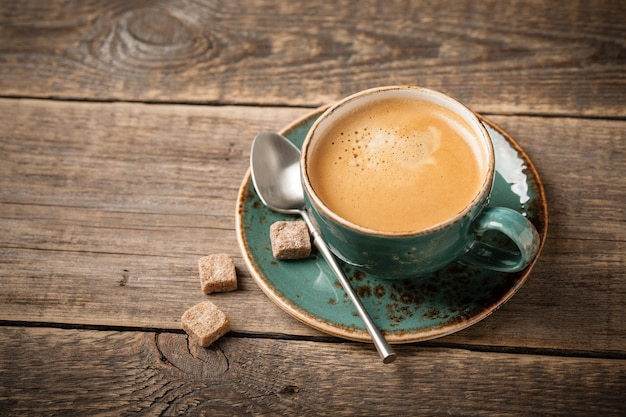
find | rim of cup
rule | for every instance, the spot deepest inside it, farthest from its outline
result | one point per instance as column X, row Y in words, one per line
column 359, row 99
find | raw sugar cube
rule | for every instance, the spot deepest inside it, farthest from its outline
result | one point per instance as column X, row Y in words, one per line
column 217, row 273
column 290, row 240
column 205, row 323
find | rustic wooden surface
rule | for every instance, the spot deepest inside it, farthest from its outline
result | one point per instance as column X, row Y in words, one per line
column 125, row 130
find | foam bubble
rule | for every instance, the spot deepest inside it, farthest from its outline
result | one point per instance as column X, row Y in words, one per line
column 389, row 148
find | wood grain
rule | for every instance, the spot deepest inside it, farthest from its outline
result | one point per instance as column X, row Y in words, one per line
column 119, row 373
column 518, row 57
column 105, row 208
column 125, row 130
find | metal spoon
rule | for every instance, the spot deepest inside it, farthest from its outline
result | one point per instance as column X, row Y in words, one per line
column 275, row 168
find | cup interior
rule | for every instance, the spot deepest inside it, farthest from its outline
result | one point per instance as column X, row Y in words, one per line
column 473, row 131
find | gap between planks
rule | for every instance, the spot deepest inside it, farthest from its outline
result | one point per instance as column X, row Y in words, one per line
column 433, row 344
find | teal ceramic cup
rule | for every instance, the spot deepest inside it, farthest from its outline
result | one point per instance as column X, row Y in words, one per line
column 413, row 253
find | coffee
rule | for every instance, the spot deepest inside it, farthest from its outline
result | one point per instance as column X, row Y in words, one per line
column 397, row 165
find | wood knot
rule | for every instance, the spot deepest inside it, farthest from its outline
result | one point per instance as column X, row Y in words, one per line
column 176, row 354
column 158, row 28
column 290, row 390
column 160, row 38
column 124, row 280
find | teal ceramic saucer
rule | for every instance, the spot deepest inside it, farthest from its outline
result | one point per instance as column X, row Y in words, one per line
column 406, row 310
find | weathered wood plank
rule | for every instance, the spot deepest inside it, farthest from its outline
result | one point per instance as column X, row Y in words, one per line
column 151, row 157
column 69, row 372
column 105, row 208
column 575, row 305
column 518, row 57
column 163, row 159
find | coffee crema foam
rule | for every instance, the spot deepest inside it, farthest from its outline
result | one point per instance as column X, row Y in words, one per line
column 398, row 165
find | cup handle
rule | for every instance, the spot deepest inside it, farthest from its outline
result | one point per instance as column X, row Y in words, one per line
column 517, row 228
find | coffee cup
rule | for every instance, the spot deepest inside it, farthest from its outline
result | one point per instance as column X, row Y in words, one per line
column 398, row 180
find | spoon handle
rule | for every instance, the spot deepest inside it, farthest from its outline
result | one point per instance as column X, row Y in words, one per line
column 384, row 349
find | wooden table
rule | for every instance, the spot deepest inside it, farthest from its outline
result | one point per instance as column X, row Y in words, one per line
column 125, row 130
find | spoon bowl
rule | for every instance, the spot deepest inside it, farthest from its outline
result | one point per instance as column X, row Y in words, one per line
column 275, row 167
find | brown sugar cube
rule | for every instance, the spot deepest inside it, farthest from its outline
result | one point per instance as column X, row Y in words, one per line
column 205, row 323
column 290, row 240
column 217, row 273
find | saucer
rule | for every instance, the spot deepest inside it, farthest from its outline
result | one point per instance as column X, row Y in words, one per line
column 409, row 310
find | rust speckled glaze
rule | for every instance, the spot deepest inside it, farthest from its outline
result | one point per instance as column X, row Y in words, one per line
column 406, row 310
